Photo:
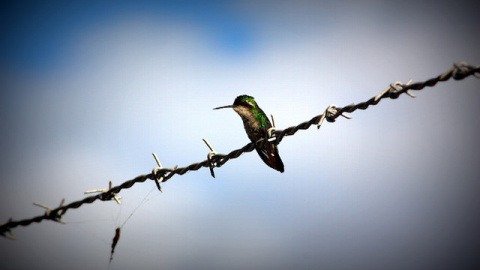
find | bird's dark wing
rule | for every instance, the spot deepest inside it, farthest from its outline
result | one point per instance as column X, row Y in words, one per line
column 269, row 155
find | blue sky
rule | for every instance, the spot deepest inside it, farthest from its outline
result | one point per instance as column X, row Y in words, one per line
column 35, row 34
column 90, row 90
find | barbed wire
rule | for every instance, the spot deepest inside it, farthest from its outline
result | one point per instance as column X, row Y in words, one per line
column 159, row 174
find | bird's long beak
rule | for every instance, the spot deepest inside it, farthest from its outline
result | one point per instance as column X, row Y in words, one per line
column 223, row 107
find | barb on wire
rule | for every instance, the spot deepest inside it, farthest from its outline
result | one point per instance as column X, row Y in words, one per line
column 154, row 172
column 212, row 158
column 107, row 194
column 53, row 214
column 457, row 72
column 7, row 233
column 329, row 112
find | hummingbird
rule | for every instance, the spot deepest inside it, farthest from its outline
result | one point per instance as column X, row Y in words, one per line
column 256, row 125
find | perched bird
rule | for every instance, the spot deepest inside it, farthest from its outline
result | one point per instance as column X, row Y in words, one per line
column 256, row 125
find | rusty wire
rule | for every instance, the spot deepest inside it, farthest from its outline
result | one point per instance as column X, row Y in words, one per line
column 457, row 72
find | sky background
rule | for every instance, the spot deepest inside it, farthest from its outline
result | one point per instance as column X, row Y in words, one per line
column 90, row 90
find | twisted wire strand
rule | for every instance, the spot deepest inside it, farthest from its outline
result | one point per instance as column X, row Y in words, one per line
column 458, row 72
